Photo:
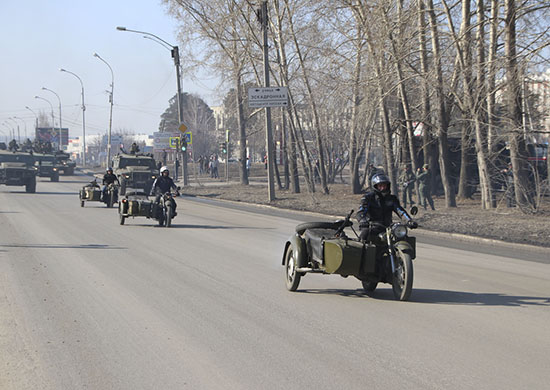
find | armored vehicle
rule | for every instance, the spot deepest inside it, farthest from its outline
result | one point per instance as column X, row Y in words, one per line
column 17, row 169
column 65, row 163
column 137, row 171
column 47, row 165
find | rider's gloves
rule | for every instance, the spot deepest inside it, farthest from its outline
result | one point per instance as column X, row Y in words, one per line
column 412, row 224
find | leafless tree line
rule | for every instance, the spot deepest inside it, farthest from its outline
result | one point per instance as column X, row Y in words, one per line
column 362, row 73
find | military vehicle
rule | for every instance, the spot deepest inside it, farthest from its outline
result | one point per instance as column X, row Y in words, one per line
column 137, row 171
column 17, row 169
column 65, row 163
column 47, row 165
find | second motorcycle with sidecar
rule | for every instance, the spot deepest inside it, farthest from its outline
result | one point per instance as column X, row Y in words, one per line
column 324, row 247
column 137, row 204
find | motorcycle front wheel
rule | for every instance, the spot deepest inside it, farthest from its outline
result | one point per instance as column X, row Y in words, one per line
column 169, row 216
column 111, row 200
column 402, row 281
column 291, row 276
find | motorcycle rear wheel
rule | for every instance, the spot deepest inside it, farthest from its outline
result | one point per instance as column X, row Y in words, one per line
column 402, row 280
column 291, row 276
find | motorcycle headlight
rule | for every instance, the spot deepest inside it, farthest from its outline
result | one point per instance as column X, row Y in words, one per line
column 400, row 231
column 55, row 169
column 127, row 176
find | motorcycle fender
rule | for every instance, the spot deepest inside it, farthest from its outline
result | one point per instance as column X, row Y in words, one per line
column 406, row 247
column 299, row 247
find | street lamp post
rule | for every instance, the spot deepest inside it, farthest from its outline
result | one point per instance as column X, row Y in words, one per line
column 36, row 116
column 17, row 126
column 111, row 110
column 83, row 117
column 51, row 105
column 10, row 129
column 24, row 122
column 60, row 124
column 176, row 56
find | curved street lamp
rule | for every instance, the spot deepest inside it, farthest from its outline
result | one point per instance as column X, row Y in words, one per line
column 176, row 56
column 36, row 117
column 60, row 124
column 51, row 105
column 83, row 117
column 24, row 122
column 16, row 126
column 111, row 110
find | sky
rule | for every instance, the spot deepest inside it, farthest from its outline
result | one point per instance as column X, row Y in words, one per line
column 41, row 36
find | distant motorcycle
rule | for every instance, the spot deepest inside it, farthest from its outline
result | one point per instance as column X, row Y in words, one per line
column 323, row 247
column 110, row 196
column 166, row 209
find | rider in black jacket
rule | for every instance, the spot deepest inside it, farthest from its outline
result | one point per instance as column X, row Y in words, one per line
column 162, row 185
column 108, row 178
column 378, row 205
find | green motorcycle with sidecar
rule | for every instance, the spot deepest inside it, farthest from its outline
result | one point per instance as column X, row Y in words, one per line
column 324, row 248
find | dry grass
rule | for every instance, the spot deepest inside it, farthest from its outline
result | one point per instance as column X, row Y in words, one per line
column 468, row 218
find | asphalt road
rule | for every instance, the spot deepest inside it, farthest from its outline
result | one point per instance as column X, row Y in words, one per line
column 88, row 304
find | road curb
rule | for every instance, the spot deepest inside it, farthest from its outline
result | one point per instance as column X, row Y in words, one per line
column 457, row 236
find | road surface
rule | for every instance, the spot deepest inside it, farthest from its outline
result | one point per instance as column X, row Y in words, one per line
column 88, row 304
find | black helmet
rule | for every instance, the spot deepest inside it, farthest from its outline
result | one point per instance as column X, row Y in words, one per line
column 109, row 169
column 380, row 178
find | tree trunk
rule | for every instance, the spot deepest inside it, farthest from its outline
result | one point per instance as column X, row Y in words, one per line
column 241, row 123
column 450, row 199
column 518, row 149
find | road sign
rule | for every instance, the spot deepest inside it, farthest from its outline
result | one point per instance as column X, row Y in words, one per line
column 188, row 137
column 162, row 140
column 174, row 142
column 268, row 97
column 182, row 128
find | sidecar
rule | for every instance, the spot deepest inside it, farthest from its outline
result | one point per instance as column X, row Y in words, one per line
column 135, row 204
column 89, row 194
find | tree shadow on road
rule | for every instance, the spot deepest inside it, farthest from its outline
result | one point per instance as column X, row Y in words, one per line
column 61, row 246
column 448, row 297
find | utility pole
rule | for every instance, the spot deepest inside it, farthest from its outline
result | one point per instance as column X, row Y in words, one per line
column 227, row 156
column 268, row 136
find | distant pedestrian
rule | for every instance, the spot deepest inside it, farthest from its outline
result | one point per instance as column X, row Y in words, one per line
column 424, row 178
column 510, row 191
column 265, row 161
column 201, row 165
column 247, row 167
column 407, row 179
column 214, row 167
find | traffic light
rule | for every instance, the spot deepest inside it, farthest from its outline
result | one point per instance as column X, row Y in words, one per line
column 183, row 145
column 223, row 147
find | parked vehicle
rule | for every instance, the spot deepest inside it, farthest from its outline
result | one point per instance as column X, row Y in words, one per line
column 137, row 204
column 17, row 169
column 324, row 247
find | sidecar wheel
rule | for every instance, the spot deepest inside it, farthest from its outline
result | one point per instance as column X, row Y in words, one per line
column 291, row 276
column 402, row 281
column 369, row 286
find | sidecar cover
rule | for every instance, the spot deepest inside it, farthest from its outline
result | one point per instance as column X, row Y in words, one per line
column 343, row 257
